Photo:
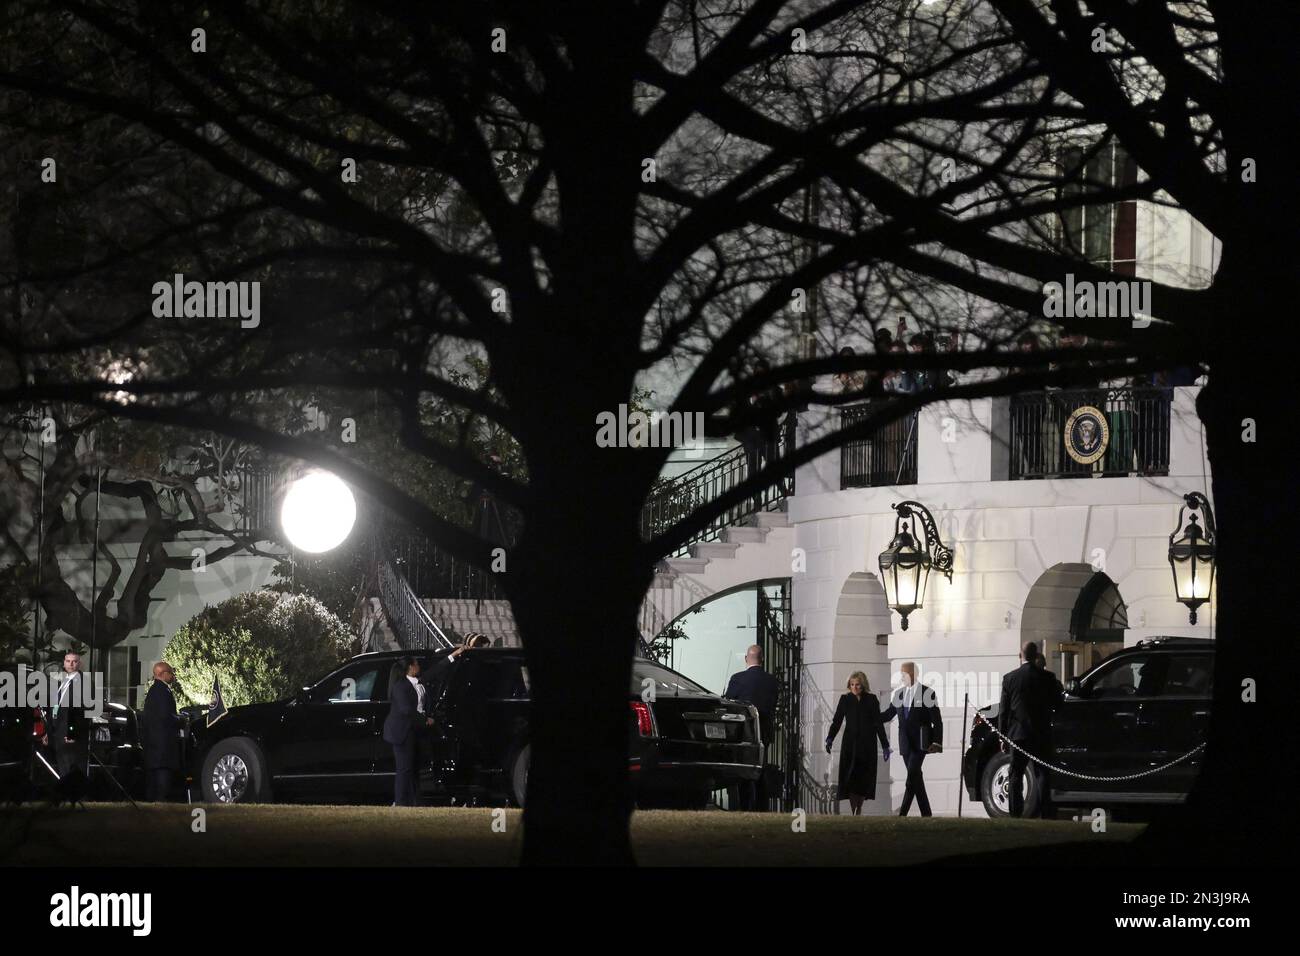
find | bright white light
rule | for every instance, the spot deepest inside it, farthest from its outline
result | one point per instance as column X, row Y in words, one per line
column 318, row 512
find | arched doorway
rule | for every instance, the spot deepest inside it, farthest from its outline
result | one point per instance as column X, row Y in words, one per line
column 1077, row 617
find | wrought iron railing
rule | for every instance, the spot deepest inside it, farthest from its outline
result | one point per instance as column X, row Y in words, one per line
column 434, row 573
column 407, row 618
column 676, row 498
column 888, row 457
column 815, row 796
column 783, row 656
column 254, row 504
column 1136, row 442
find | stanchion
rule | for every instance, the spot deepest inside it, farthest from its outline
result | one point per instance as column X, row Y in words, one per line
column 961, row 754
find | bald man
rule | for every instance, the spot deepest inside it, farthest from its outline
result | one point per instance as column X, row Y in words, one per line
column 920, row 732
column 161, row 732
column 755, row 686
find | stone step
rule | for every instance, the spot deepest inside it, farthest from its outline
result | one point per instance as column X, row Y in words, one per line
column 744, row 534
column 715, row 549
column 771, row 519
column 688, row 565
column 493, row 618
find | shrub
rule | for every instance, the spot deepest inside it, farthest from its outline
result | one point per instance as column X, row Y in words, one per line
column 261, row 646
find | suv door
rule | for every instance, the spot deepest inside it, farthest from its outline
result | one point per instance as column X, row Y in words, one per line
column 1098, row 730
column 332, row 736
column 1175, row 720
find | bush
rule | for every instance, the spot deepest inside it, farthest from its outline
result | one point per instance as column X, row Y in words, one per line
column 261, row 646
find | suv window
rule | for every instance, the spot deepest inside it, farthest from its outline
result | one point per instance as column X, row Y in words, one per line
column 348, row 686
column 499, row 679
column 1189, row 675
column 667, row 683
column 1131, row 676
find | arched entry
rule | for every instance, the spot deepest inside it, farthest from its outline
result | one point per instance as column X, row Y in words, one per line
column 1076, row 615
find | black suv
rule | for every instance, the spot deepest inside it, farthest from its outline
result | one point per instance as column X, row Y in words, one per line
column 327, row 742
column 1138, row 709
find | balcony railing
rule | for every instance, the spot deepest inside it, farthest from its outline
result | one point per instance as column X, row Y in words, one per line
column 1137, row 420
column 888, row 457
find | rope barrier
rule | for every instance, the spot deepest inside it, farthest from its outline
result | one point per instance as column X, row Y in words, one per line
column 1086, row 776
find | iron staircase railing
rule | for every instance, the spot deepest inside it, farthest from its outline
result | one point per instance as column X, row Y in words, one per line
column 409, row 621
column 676, row 498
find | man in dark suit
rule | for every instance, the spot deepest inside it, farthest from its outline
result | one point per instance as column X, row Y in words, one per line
column 1029, row 696
column 407, row 719
column 920, row 732
column 161, row 734
column 69, row 734
column 755, row 686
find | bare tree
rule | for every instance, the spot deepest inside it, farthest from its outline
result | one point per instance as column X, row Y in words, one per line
column 584, row 194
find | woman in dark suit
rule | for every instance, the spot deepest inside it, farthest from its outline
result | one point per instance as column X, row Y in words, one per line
column 859, row 712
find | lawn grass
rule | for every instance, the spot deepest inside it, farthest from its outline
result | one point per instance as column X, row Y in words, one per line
column 296, row 835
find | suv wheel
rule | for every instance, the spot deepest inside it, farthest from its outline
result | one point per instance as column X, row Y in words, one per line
column 234, row 771
column 518, row 774
column 995, row 790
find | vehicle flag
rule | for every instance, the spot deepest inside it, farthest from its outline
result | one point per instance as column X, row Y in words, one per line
column 216, row 709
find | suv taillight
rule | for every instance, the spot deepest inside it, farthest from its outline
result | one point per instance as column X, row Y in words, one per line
column 644, row 724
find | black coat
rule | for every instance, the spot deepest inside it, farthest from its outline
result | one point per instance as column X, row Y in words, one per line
column 863, row 726
column 1029, row 696
column 756, row 686
column 161, row 729
column 403, row 718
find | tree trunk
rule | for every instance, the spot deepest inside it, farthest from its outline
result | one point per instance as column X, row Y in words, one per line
column 576, row 590
column 1239, row 810
column 1246, row 781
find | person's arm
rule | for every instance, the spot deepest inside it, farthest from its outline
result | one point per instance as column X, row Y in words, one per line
column 152, row 711
column 443, row 662
column 401, row 705
column 890, row 712
column 880, row 729
column 173, row 717
column 835, row 724
column 1004, row 704
column 730, row 692
column 1004, row 710
column 936, row 722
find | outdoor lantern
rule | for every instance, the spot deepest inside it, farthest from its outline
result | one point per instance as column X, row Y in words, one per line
column 905, row 565
column 318, row 512
column 1192, row 555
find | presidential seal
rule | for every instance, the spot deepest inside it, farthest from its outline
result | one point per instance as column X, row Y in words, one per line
column 1086, row 434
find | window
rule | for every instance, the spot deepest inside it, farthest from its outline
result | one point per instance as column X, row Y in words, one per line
column 347, row 686
column 1103, row 234
column 1129, row 677
column 667, row 683
column 1189, row 675
column 501, row 679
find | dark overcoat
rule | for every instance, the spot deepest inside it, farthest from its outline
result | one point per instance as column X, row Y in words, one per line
column 863, row 726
